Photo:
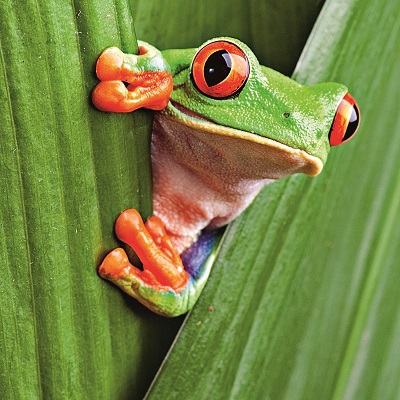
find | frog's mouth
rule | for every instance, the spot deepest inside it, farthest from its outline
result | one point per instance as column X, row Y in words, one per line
column 297, row 160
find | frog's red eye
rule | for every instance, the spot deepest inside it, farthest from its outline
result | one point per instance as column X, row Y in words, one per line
column 346, row 122
column 220, row 69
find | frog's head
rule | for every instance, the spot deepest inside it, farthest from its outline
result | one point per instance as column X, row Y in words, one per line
column 221, row 88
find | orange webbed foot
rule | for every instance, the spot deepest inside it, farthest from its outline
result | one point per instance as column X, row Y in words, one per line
column 164, row 286
column 162, row 265
column 129, row 81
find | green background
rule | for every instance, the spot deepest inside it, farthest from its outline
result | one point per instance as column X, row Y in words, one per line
column 305, row 287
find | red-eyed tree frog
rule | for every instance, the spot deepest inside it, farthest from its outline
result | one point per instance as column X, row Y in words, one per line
column 224, row 127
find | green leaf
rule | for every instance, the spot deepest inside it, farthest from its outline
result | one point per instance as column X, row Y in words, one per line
column 304, row 292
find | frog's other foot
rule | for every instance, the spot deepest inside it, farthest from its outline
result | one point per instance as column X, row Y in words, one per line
column 163, row 285
column 152, row 245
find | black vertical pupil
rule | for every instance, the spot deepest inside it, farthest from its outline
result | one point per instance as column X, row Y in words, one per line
column 217, row 67
column 353, row 124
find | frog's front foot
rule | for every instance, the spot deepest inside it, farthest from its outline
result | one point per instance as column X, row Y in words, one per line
column 129, row 81
column 163, row 285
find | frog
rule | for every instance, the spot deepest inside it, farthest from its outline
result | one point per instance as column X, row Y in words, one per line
column 224, row 127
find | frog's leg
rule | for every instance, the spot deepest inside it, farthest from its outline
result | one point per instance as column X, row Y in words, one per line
column 125, row 86
column 164, row 286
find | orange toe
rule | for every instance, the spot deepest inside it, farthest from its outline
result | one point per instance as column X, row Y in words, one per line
column 109, row 64
column 116, row 265
column 128, row 223
column 110, row 96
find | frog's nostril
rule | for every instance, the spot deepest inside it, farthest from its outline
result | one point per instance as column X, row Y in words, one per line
column 346, row 121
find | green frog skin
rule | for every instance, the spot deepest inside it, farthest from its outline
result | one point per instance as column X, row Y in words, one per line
column 224, row 127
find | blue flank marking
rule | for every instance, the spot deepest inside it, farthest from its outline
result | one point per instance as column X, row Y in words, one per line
column 194, row 257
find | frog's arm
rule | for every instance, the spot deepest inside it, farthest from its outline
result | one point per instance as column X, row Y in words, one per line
column 164, row 285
